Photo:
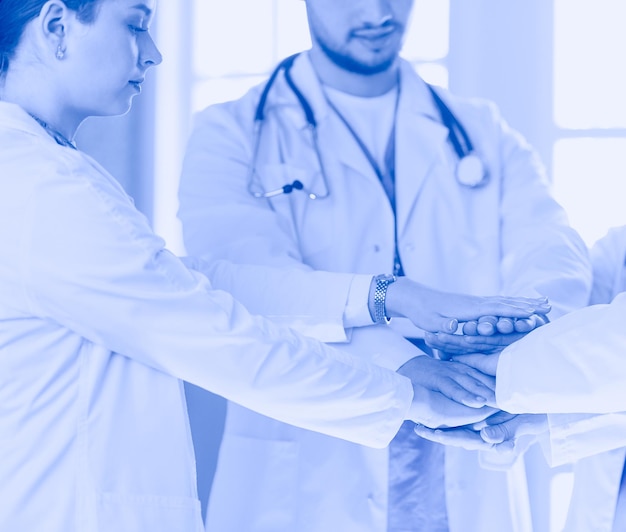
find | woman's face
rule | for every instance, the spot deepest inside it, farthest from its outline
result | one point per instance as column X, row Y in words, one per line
column 106, row 60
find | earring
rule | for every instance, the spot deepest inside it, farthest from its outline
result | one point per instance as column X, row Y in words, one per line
column 60, row 53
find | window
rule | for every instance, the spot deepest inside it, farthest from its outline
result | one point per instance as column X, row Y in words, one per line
column 589, row 155
column 237, row 43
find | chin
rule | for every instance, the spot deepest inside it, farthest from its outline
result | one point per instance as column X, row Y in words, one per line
column 118, row 108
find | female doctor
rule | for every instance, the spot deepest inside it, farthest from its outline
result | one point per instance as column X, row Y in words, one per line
column 99, row 320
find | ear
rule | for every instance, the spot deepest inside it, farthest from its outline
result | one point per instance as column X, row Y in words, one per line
column 54, row 16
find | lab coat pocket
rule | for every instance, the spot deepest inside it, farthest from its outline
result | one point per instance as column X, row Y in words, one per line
column 310, row 222
column 139, row 513
column 258, row 472
column 272, row 177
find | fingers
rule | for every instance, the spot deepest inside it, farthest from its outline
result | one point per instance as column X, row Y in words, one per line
column 505, row 326
column 487, row 364
column 466, row 391
column 496, row 433
column 496, row 419
column 525, row 424
column 464, row 344
column 470, row 328
column 526, row 325
column 458, row 437
column 486, row 325
column 435, row 410
column 448, row 325
column 511, row 307
column 466, row 371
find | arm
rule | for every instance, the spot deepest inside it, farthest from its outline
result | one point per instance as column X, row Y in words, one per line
column 577, row 436
column 260, row 261
column 607, row 259
column 541, row 254
column 91, row 264
column 574, row 364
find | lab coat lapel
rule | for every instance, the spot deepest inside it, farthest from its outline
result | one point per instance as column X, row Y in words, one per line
column 420, row 143
column 337, row 145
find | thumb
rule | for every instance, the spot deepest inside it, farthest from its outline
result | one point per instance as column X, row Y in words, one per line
column 448, row 325
column 496, row 433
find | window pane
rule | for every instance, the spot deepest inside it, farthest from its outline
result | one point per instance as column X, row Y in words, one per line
column 590, row 182
column 589, row 59
column 233, row 37
column 434, row 73
column 293, row 29
column 220, row 90
column 428, row 35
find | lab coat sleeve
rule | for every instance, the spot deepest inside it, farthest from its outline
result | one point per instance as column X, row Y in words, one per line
column 275, row 283
column 541, row 254
column 577, row 436
column 91, row 263
column 607, row 259
column 575, row 364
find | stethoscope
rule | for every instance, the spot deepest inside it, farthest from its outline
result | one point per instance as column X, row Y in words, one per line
column 470, row 171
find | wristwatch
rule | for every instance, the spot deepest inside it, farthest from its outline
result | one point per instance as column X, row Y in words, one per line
column 380, row 295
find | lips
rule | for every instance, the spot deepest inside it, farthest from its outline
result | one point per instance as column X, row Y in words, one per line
column 374, row 34
column 136, row 83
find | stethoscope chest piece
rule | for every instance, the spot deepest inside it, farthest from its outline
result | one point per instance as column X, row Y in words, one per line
column 470, row 171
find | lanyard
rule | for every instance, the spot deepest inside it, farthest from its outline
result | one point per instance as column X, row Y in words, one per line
column 386, row 175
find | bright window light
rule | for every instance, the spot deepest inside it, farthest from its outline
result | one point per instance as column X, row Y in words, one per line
column 233, row 37
column 590, row 183
column 589, row 63
column 428, row 34
column 220, row 90
column 434, row 73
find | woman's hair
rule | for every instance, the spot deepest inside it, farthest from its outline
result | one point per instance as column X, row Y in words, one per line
column 16, row 14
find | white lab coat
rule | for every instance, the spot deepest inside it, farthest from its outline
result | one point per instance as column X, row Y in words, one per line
column 509, row 237
column 596, row 441
column 99, row 322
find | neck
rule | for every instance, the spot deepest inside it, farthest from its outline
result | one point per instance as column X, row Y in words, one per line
column 353, row 83
column 43, row 104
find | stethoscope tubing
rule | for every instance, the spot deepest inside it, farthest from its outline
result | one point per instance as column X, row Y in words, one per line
column 457, row 135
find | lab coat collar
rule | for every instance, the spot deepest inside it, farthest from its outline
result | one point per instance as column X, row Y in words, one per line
column 421, row 141
column 12, row 116
column 420, row 135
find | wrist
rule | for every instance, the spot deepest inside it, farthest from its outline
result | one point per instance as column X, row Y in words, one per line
column 377, row 301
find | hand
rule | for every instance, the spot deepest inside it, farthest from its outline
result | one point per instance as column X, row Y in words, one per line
column 451, row 345
column 486, row 364
column 447, row 394
column 435, row 410
column 504, row 427
column 464, row 437
column 489, row 325
column 433, row 310
column 454, row 380
column 485, row 335
column 501, row 432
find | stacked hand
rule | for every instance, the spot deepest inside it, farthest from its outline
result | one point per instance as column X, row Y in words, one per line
column 448, row 393
column 501, row 432
column 441, row 312
column 486, row 335
column 476, row 353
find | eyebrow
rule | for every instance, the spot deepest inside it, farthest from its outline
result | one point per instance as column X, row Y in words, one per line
column 144, row 8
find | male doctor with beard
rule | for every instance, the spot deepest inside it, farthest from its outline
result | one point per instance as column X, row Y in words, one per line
column 346, row 161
